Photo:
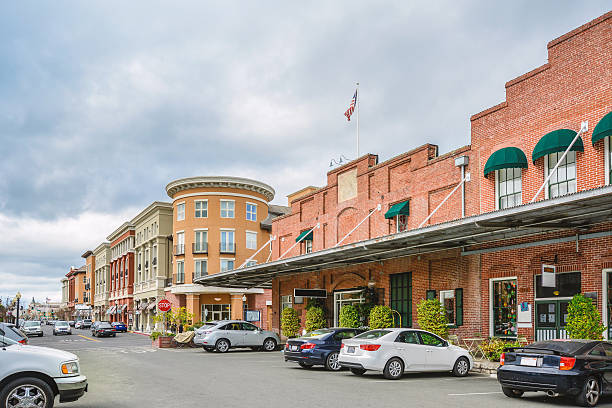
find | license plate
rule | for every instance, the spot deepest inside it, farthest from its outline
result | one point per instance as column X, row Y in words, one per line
column 529, row 361
column 295, row 348
column 350, row 349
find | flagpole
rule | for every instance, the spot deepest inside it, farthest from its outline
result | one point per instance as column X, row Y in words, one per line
column 358, row 98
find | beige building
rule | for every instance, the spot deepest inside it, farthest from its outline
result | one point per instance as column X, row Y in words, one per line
column 101, row 279
column 63, row 306
column 153, row 257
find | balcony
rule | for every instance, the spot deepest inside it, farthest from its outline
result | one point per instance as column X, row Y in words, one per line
column 199, row 247
column 227, row 248
column 179, row 249
column 197, row 275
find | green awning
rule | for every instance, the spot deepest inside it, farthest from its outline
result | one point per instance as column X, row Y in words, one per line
column 603, row 128
column 506, row 158
column 555, row 142
column 307, row 235
column 397, row 209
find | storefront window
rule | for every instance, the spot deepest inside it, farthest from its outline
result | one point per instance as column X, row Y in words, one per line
column 509, row 187
column 215, row 312
column 563, row 181
column 566, row 285
column 447, row 298
column 286, row 301
column 350, row 297
column 504, row 307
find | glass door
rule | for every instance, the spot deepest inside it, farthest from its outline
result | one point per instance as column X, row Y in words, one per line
column 348, row 297
column 551, row 319
column 401, row 297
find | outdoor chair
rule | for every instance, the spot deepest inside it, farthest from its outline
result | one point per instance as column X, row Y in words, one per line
column 453, row 339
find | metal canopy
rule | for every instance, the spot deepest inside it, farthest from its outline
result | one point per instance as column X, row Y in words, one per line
column 575, row 211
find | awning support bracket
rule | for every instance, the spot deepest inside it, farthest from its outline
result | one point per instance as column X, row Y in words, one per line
column 272, row 238
column 466, row 178
column 299, row 240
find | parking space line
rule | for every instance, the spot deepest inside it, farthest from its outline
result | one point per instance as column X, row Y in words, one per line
column 89, row 338
column 474, row 393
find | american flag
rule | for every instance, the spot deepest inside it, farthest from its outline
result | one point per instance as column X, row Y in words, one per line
column 351, row 108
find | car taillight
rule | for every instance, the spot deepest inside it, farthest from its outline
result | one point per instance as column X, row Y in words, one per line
column 23, row 341
column 502, row 358
column 369, row 347
column 567, row 363
column 308, row 346
column 342, row 345
column 286, row 346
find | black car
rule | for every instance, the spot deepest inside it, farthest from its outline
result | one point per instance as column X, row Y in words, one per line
column 102, row 329
column 319, row 347
column 13, row 333
column 579, row 368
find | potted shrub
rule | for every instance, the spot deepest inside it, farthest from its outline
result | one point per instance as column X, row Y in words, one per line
column 381, row 317
column 432, row 317
column 290, row 324
column 349, row 317
column 315, row 319
column 162, row 340
column 584, row 320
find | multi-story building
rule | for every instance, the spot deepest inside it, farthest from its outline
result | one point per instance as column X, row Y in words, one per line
column 101, row 281
column 503, row 232
column 219, row 224
column 76, row 293
column 153, row 261
column 90, row 266
column 63, row 312
column 122, row 274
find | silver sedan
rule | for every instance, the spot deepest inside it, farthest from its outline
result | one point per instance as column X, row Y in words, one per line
column 222, row 335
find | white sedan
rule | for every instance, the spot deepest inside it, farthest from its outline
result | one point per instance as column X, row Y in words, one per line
column 395, row 351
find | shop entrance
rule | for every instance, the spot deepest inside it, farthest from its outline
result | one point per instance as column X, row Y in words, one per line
column 401, row 297
column 346, row 297
column 551, row 318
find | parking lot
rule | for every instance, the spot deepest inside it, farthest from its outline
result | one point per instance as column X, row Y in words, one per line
column 126, row 371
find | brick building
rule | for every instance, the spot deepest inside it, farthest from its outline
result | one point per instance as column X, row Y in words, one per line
column 121, row 289
column 502, row 231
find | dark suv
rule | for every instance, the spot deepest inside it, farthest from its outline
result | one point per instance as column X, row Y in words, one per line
column 102, row 329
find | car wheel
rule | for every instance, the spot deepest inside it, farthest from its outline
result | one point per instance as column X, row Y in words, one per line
column 393, row 369
column 511, row 392
column 590, row 393
column 332, row 363
column 27, row 390
column 304, row 365
column 358, row 371
column 222, row 345
column 462, row 367
column 269, row 344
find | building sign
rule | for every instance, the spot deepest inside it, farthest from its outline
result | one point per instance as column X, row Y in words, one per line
column 252, row 315
column 549, row 272
column 310, row 293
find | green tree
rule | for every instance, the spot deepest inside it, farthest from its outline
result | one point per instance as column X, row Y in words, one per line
column 381, row 317
column 583, row 320
column 349, row 316
column 290, row 324
column 432, row 317
column 315, row 319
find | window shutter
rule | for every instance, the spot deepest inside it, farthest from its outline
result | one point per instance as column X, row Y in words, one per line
column 459, row 306
column 430, row 294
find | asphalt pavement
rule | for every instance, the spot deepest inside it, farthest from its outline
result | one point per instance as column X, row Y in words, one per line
column 125, row 371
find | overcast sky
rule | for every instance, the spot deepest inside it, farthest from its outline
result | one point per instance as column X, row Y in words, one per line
column 102, row 103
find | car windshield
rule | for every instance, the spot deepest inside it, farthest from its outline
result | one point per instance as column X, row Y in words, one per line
column 118, row 324
column 32, row 324
column 104, row 325
column 318, row 333
column 61, row 324
column 208, row 326
column 372, row 334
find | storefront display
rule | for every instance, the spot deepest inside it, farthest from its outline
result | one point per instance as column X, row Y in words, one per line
column 504, row 308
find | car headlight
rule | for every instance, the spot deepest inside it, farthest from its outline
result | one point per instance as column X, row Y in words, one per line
column 69, row 368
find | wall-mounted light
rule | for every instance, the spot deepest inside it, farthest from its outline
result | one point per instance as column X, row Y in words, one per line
column 217, row 299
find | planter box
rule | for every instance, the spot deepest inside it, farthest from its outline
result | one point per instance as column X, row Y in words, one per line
column 163, row 342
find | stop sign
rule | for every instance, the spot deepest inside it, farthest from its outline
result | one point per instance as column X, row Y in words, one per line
column 163, row 305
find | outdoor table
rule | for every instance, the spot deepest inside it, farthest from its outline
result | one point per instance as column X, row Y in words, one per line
column 471, row 344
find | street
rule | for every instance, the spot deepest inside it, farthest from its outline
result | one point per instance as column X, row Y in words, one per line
column 126, row 371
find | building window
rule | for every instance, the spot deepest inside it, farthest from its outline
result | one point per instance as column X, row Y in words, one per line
column 215, row 312
column 563, row 181
column 251, row 263
column 307, row 246
column 251, row 212
column 565, row 285
column 251, row 240
column 286, row 301
column 447, row 298
column 201, row 242
column 608, row 145
column 180, row 212
column 227, row 209
column 200, row 268
column 227, row 241
column 504, row 307
column 180, row 272
column 401, row 223
column 348, row 297
column 227, row 265
column 180, row 243
column 509, row 187
column 201, row 209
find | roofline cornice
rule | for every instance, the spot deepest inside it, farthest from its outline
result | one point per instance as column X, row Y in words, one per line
column 183, row 184
column 155, row 205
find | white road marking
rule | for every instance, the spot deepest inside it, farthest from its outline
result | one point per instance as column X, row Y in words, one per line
column 474, row 393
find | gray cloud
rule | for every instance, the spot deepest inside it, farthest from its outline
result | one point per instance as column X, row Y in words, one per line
column 103, row 103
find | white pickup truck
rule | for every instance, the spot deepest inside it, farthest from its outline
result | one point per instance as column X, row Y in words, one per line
column 33, row 376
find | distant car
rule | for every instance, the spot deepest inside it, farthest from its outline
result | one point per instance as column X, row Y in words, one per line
column 103, row 329
column 61, row 327
column 33, row 328
column 86, row 324
column 319, row 347
column 50, row 322
column 395, row 351
column 34, row 376
column 119, row 326
column 225, row 334
column 578, row 368
column 10, row 331
column 78, row 324
column 71, row 323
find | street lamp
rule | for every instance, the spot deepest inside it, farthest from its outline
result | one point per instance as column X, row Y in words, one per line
column 18, row 296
